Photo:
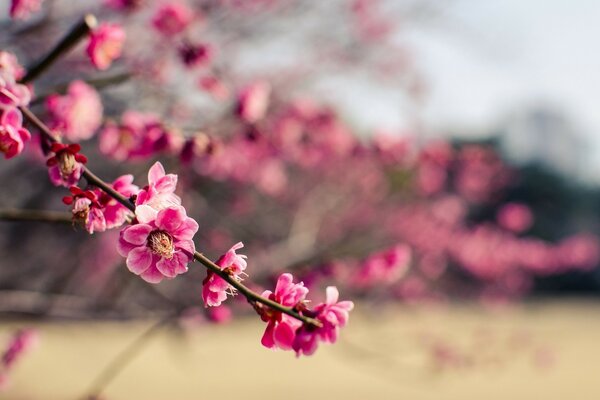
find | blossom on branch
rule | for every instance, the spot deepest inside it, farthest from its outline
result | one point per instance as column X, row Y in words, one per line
column 87, row 209
column 160, row 192
column 215, row 288
column 12, row 134
column 78, row 114
column 105, row 45
column 160, row 245
column 66, row 165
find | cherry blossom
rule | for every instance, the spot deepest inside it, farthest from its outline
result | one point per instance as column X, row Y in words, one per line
column 214, row 288
column 21, row 9
column 105, row 45
column 87, row 209
column 66, row 165
column 160, row 245
column 114, row 212
column 172, row 19
column 12, row 134
column 78, row 114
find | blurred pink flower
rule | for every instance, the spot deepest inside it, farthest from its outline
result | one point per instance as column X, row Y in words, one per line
column 21, row 9
column 160, row 245
column 78, row 114
column 21, row 342
column 160, row 192
column 12, row 134
column 105, row 44
column 515, row 217
column 214, row 288
column 253, row 101
column 173, row 18
column 332, row 314
column 194, row 55
column 12, row 93
column 66, row 165
column 281, row 328
column 214, row 86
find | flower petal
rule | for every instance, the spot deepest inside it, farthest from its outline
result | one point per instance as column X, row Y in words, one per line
column 139, row 259
column 136, row 234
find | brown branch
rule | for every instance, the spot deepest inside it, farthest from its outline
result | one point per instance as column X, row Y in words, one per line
column 83, row 27
column 14, row 214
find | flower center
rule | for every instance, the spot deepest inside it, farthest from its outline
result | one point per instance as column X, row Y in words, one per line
column 67, row 163
column 161, row 243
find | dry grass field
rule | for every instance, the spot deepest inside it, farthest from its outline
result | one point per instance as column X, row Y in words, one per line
column 537, row 351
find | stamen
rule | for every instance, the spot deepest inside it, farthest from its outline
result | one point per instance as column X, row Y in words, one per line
column 161, row 243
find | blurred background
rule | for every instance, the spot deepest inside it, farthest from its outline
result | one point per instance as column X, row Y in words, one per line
column 435, row 160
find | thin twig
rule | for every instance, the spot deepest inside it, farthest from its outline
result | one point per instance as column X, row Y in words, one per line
column 83, row 27
column 15, row 214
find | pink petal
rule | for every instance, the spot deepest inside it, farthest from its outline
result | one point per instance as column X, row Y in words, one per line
column 152, row 275
column 332, row 295
column 145, row 214
column 156, row 172
column 136, row 234
column 170, row 218
column 267, row 338
column 186, row 230
column 171, row 268
column 284, row 336
column 139, row 259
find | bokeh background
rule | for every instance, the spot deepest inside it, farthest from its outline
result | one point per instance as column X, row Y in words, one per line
column 435, row 160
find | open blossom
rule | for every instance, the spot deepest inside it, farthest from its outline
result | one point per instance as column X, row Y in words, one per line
column 115, row 213
column 253, row 101
column 105, row 45
column 12, row 134
column 12, row 93
column 332, row 314
column 66, row 165
column 281, row 328
column 214, row 288
column 160, row 245
column 78, row 114
column 20, row 9
column 87, row 209
column 160, row 192
column 171, row 19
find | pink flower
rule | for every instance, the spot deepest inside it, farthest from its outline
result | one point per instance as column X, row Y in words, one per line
column 12, row 94
column 214, row 288
column 78, row 114
column 115, row 213
column 160, row 192
column 160, row 245
column 173, row 18
column 332, row 314
column 253, row 101
column 281, row 328
column 65, row 166
column 20, row 343
column 515, row 217
column 87, row 210
column 20, row 9
column 12, row 134
column 105, row 45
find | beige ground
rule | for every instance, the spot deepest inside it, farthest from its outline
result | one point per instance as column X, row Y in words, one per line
column 545, row 352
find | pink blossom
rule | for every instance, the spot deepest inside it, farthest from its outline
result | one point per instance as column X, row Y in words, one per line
column 87, row 209
column 115, row 213
column 66, row 165
column 20, row 343
column 160, row 245
column 332, row 314
column 12, row 93
column 20, row 9
column 386, row 267
column 220, row 315
column 215, row 288
column 172, row 18
column 515, row 217
column 105, row 45
column 160, row 192
column 253, row 101
column 78, row 114
column 281, row 328
column 12, row 134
